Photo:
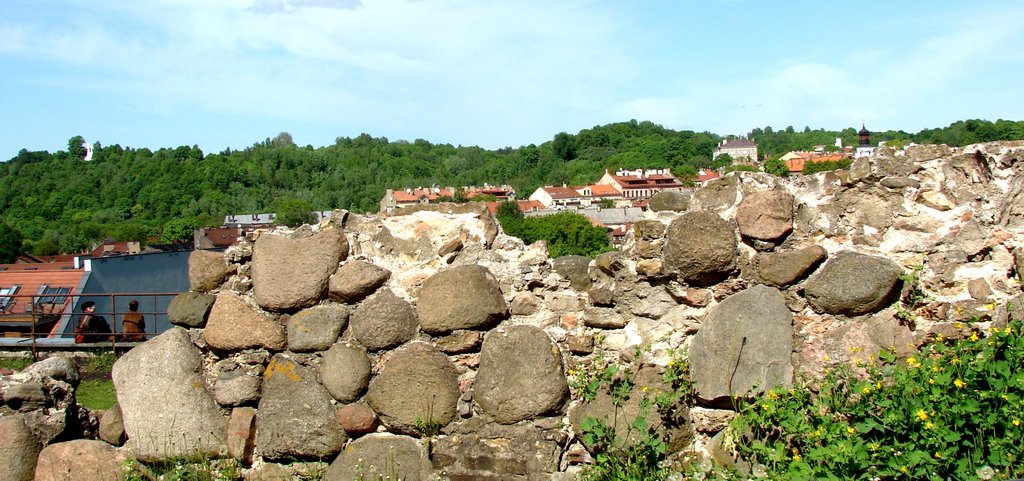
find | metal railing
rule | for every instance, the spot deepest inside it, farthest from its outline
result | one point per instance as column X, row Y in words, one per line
column 62, row 314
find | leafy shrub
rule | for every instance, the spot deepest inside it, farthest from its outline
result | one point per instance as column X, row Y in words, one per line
column 814, row 167
column 641, row 453
column 952, row 411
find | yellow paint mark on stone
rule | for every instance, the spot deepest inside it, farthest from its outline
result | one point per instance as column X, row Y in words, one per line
column 286, row 369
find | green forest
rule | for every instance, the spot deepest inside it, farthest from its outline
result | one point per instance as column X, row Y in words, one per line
column 58, row 203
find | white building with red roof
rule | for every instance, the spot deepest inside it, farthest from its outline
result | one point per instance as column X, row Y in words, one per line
column 641, row 183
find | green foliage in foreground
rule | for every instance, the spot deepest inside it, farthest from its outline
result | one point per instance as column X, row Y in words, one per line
column 566, row 233
column 953, row 411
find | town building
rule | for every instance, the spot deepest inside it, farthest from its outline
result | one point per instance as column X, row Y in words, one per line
column 641, row 183
column 741, row 150
column 397, row 199
column 864, row 148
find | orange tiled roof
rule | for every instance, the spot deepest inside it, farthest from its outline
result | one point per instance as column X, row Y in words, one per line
column 29, row 283
column 600, row 190
column 524, row 206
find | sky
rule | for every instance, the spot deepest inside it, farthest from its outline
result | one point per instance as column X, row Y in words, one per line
column 493, row 73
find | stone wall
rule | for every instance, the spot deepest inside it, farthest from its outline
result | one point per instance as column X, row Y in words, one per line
column 430, row 344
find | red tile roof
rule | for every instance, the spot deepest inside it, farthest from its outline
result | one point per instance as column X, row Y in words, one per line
column 561, row 192
column 30, row 282
column 524, row 206
column 599, row 190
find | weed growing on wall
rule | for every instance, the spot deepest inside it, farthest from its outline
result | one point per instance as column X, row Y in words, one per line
column 954, row 410
column 641, row 453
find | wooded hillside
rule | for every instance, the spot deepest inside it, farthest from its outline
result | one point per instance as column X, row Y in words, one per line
column 56, row 202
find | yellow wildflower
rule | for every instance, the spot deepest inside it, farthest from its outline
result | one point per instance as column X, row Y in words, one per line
column 851, row 430
column 1004, row 397
column 959, row 384
column 938, row 456
column 764, row 406
column 974, row 337
column 1016, row 422
column 904, row 470
column 1007, row 330
column 796, row 457
column 928, row 425
column 644, row 389
column 931, row 381
column 940, row 338
column 923, row 416
column 866, row 390
column 958, row 324
column 878, row 385
column 935, row 368
column 825, row 358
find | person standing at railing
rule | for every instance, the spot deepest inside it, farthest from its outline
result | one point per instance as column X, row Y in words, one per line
column 92, row 328
column 133, row 323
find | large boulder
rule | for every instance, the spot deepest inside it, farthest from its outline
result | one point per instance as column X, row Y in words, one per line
column 464, row 297
column 384, row 321
column 295, row 417
column 766, row 215
column 670, row 201
column 112, row 426
column 786, row 267
column 290, row 274
column 316, row 328
column 700, row 248
column 189, row 309
column 207, row 270
column 418, row 386
column 482, row 450
column 163, row 399
column 234, row 325
column 345, row 372
column 520, row 375
column 851, row 283
column 19, row 448
column 57, row 368
column 743, row 346
column 80, row 460
column 381, row 456
column 355, row 280
column 576, row 269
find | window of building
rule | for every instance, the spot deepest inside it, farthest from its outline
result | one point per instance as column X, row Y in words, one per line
column 6, row 301
column 53, row 295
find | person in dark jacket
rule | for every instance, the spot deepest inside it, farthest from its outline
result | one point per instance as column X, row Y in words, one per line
column 92, row 328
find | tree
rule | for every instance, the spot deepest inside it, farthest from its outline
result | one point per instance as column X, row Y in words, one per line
column 10, row 244
column 295, row 212
column 776, row 167
column 564, row 146
column 178, row 231
column 76, row 147
column 606, row 203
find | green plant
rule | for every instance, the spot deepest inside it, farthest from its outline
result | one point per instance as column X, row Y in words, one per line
column 639, row 453
column 912, row 296
column 15, row 363
column 100, row 364
column 96, row 394
column 952, row 411
column 199, row 468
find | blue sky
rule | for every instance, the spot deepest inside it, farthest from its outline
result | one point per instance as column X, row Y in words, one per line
column 495, row 73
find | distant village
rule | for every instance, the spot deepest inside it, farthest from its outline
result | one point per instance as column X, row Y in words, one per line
column 40, row 296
